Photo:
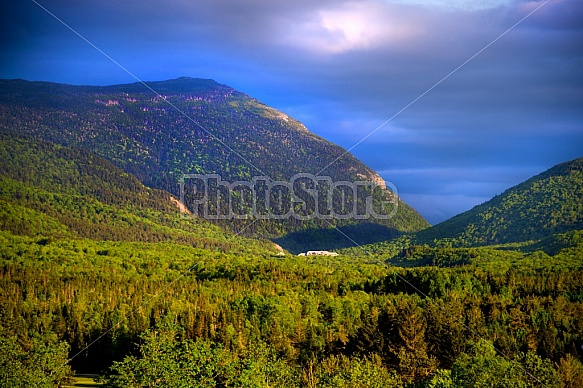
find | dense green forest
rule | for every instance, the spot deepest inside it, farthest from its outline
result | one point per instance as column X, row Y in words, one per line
column 230, row 319
column 540, row 207
column 55, row 191
column 101, row 274
column 198, row 127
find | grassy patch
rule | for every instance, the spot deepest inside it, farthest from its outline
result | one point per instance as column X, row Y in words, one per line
column 84, row 381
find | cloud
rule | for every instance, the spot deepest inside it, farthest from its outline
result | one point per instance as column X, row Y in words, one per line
column 440, row 192
column 351, row 26
column 437, row 208
column 456, row 4
column 344, row 68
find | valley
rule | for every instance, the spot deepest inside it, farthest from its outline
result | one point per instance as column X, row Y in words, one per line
column 104, row 272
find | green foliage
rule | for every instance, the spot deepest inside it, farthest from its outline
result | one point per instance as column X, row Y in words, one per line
column 23, row 220
column 546, row 204
column 440, row 379
column 140, row 133
column 571, row 372
column 557, row 242
column 328, row 319
column 344, row 372
column 483, row 367
column 51, row 190
column 383, row 250
column 441, row 257
column 167, row 360
column 90, row 254
column 40, row 361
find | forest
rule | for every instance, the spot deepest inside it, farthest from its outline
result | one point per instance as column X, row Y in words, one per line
column 102, row 274
column 214, row 130
column 166, row 314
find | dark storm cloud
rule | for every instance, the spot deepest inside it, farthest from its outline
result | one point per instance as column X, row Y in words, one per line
column 344, row 68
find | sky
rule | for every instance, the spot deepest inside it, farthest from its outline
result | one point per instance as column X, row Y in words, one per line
column 451, row 101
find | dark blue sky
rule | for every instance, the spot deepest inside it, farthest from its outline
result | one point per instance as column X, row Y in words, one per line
column 344, row 68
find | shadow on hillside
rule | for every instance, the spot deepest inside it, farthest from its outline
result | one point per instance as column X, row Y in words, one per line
column 330, row 238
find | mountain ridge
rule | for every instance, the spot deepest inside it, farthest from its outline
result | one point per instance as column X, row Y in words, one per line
column 183, row 130
column 543, row 205
column 54, row 191
column 543, row 213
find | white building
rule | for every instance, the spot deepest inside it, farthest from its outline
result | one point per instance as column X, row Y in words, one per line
column 318, row 253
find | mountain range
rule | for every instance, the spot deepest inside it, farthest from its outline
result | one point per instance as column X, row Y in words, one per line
column 107, row 266
column 124, row 149
column 160, row 131
column 544, row 213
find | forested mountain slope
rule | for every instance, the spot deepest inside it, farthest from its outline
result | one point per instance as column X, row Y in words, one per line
column 56, row 191
column 99, row 274
column 546, row 204
column 193, row 126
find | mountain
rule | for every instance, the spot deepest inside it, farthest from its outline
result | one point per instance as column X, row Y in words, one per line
column 100, row 273
column 56, row 192
column 196, row 126
column 544, row 205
